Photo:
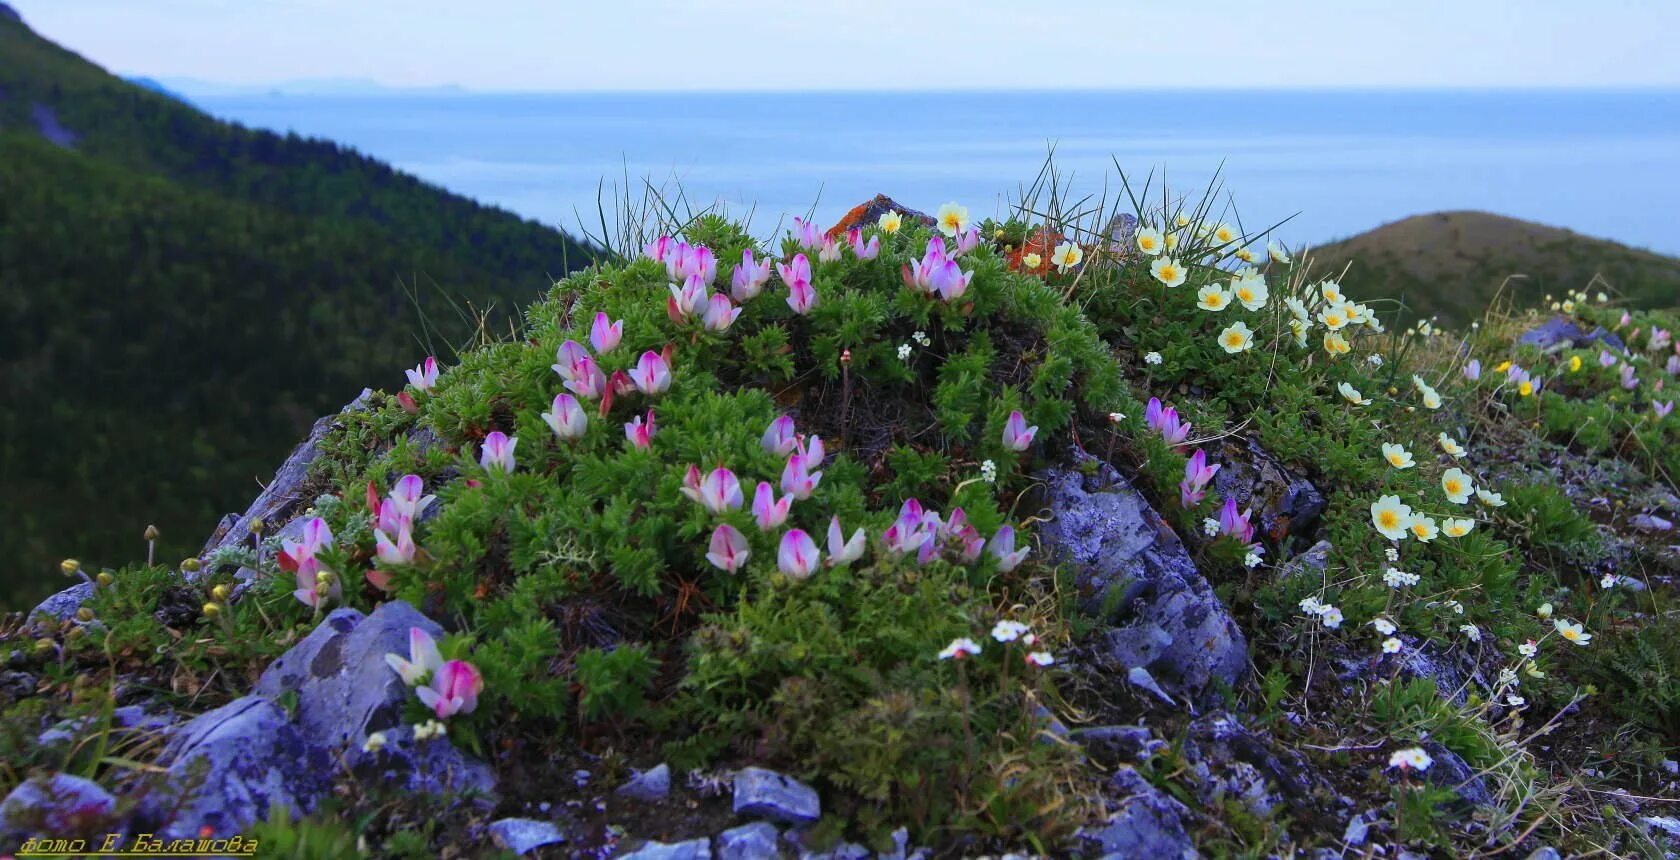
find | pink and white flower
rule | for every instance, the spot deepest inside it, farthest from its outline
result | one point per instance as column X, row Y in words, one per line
column 605, row 334
column 566, row 417
column 423, row 658
column 780, row 437
column 720, row 313
column 453, row 689
column 959, row 649
column 840, row 549
column 802, row 297
column 749, row 278
column 497, row 452
column 719, row 491
column 687, row 300
column 1165, row 421
column 1197, row 475
column 798, row 556
column 728, row 549
column 639, row 432
column 651, row 375
column 1002, row 546
column 424, row 375
column 807, row 234
column 798, row 480
column 863, row 250
column 1017, row 436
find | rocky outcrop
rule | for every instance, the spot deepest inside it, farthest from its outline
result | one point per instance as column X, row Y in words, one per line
column 868, row 212
column 1284, row 502
column 60, row 805
column 1133, row 572
column 1559, row 333
column 1145, row 823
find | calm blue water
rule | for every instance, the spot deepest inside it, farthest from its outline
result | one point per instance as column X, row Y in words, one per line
column 1605, row 164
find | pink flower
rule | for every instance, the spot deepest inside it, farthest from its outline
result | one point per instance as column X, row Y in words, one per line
column 948, row 280
column 407, row 498
column 658, row 248
column 728, row 549
column 423, row 658
column 1197, row 474
column 1002, row 546
column 651, row 375
column 1017, row 436
column 299, row 556
column 919, row 274
column 1234, row 524
column 1164, row 420
column 1661, row 409
column 966, row 241
column 1629, row 381
column 779, row 438
column 604, row 335
column 685, row 261
column 798, row 556
column 639, row 432
column 841, row 550
column 1660, row 339
column 864, row 251
column 1673, row 366
column 720, row 313
column 588, row 382
column 395, row 550
column 566, row 417
column 719, row 491
column 1626, row 318
column 454, row 689
column 797, row 479
column 1473, row 370
column 795, row 271
column 497, row 452
column 688, row 299
column 1605, row 359
column 807, row 234
column 749, row 278
column 570, row 359
column 768, row 511
column 424, row 375
column 830, row 250
column 911, row 531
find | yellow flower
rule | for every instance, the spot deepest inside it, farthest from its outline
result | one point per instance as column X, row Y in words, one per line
column 1574, row 363
column 1183, row 220
column 1251, row 291
column 889, row 222
column 952, row 219
column 1424, row 528
column 1397, row 455
column 1391, row 517
column 1572, row 631
column 1456, row 484
column 1450, row 445
column 1223, row 234
column 1066, row 256
column 1168, row 271
column 1335, row 344
column 1032, row 261
column 1526, row 387
column 1503, row 366
column 1352, row 394
column 1236, row 338
column 1457, row 528
column 1212, row 298
column 1150, row 241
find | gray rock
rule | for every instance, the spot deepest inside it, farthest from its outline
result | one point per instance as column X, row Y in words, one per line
column 1122, row 237
column 1147, row 824
column 693, row 849
column 284, row 496
column 227, row 767
column 768, row 794
column 1315, row 560
column 431, row 767
column 345, row 688
column 755, row 841
column 1132, row 569
column 1545, row 852
column 843, row 851
column 1559, row 333
column 1650, row 523
column 1452, row 771
column 63, row 605
column 867, row 213
column 523, row 835
column 1284, row 502
column 59, row 805
column 1130, row 743
column 651, row 785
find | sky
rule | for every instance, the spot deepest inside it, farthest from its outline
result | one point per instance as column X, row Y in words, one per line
column 567, row 45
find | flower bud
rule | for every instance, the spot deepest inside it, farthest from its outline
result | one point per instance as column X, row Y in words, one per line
column 191, row 565
column 256, row 525
column 69, row 566
column 324, row 577
column 151, row 533
column 211, row 610
column 105, row 579
column 75, row 633
column 322, row 589
column 220, row 593
column 43, row 644
column 84, row 615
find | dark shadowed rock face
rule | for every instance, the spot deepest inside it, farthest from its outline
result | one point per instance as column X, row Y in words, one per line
column 1285, row 502
column 59, row 805
column 1129, row 566
column 1146, row 824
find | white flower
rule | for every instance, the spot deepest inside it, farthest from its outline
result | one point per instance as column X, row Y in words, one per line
column 1250, row 290
column 1391, row 645
column 1150, row 241
column 1397, row 578
column 1352, row 395
column 1066, row 256
column 374, row 743
column 1515, row 700
column 1413, row 758
column 1040, row 659
column 1384, row 626
column 1455, row 483
column 1152, row 357
column 1529, row 648
column 1252, row 560
column 1277, row 252
column 1210, row 526
column 1391, row 517
column 1472, row 631
column 1116, row 417
column 959, row 648
column 1213, row 298
column 904, row 351
column 1572, row 631
column 1544, row 610
column 1607, row 581
column 1391, row 553
column 1375, row 359
column 952, row 219
column 1397, row 455
column 1008, row 631
column 1236, row 338
column 1455, row 606
column 1311, row 606
column 1450, row 445
column 430, row 729
column 988, row 472
column 1331, row 616
column 1168, row 271
column 1490, row 498
column 922, row 338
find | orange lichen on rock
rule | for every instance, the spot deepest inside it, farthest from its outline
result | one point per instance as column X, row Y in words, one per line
column 870, row 211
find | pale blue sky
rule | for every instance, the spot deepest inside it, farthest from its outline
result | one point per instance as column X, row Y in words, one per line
column 886, row 44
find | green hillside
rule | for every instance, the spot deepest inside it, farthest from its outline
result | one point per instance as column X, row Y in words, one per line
column 1452, row 264
column 180, row 297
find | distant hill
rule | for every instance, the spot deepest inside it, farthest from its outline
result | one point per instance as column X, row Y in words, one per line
column 1451, row 263
column 180, row 297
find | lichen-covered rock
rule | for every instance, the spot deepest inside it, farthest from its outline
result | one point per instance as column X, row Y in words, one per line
column 651, row 785
column 228, row 767
column 524, row 835
column 1284, row 502
column 870, row 211
column 60, row 805
column 1125, row 560
column 1146, row 824
column 755, row 841
column 768, row 794
column 1451, row 771
column 1560, row 333
column 693, row 849
column 63, row 605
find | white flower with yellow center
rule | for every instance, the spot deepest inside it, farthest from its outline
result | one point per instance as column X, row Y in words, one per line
column 889, row 222
column 1224, row 235
column 1544, row 610
column 1032, row 261
column 1391, row 645
column 1244, row 255
column 1456, row 483
column 1360, row 314
column 1181, row 219
column 1391, row 517
column 1334, row 317
column 1332, row 292
column 1384, row 626
column 1572, row 631
column 1490, row 498
column 1277, row 252
column 1168, row 271
column 1236, row 338
column 1457, row 528
column 1298, row 308
column 1066, row 256
column 952, row 219
column 1251, row 291
column 1450, row 445
column 1411, row 759
column 1212, row 298
column 1352, row 395
column 1397, row 455
column 1335, row 344
column 1150, row 241
column 1424, row 528
column 1299, row 328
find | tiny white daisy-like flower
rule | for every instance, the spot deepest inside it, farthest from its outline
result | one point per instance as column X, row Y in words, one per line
column 1391, row 645
column 1236, row 338
column 1529, row 648
column 1608, row 581
column 904, row 351
column 1375, row 359
column 1412, row 758
column 1168, row 271
column 1490, row 498
column 988, row 472
column 1572, row 631
column 959, row 648
column 1152, row 357
column 1515, row 700
column 1252, row 560
column 1331, row 616
column 1311, row 606
column 1455, row 483
column 1455, row 606
column 1507, row 678
column 1008, row 630
column 1116, row 417
column 1450, row 445
column 1471, row 631
column 1210, row 526
column 922, row 338
column 1397, row 578
column 374, row 743
column 1040, row 659
column 1384, row 626
column 1391, row 553
column 1397, row 455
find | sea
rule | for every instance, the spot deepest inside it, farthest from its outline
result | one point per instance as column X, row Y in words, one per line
column 1326, row 164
